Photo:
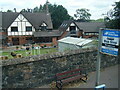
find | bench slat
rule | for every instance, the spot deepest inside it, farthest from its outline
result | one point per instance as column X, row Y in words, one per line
column 59, row 74
column 68, row 76
column 73, row 78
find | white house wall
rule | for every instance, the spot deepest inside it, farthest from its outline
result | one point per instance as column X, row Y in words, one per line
column 21, row 22
column 72, row 24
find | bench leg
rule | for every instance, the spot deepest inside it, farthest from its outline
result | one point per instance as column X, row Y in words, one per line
column 59, row 86
column 85, row 78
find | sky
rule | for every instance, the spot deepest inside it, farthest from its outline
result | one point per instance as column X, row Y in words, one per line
column 96, row 7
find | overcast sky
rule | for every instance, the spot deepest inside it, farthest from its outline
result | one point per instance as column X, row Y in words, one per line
column 96, row 7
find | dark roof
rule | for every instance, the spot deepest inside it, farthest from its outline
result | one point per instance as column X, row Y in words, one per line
column 90, row 26
column 65, row 25
column 85, row 26
column 36, row 19
column 8, row 18
column 47, row 33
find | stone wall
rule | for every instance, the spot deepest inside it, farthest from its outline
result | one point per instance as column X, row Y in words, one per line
column 35, row 71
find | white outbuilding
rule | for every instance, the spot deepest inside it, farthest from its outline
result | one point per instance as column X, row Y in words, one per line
column 71, row 43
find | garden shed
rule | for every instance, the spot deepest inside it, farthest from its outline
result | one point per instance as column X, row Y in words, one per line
column 71, row 43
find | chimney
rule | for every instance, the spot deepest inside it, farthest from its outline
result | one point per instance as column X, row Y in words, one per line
column 47, row 9
column 15, row 9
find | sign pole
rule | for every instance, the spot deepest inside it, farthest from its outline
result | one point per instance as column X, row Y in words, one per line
column 109, row 43
column 98, row 60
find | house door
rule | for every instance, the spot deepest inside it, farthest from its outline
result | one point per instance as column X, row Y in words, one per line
column 15, row 41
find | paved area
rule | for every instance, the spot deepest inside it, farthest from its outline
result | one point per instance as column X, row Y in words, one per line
column 108, row 76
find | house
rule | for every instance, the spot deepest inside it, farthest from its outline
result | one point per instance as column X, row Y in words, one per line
column 71, row 43
column 90, row 29
column 70, row 29
column 22, row 28
column 81, row 29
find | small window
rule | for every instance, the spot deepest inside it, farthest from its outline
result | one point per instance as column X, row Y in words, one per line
column 86, row 33
column 14, row 29
column 43, row 28
column 28, row 29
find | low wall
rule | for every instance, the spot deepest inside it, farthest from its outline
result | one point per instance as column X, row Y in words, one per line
column 35, row 71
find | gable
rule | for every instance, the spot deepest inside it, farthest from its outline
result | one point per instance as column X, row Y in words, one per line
column 43, row 24
column 20, row 19
column 72, row 24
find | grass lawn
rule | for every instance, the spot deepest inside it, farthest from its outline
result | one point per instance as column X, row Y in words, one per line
column 32, row 52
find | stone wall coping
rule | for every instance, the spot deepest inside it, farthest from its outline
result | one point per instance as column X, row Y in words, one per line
column 45, row 56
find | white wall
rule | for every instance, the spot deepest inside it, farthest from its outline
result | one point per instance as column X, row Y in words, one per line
column 21, row 22
column 72, row 24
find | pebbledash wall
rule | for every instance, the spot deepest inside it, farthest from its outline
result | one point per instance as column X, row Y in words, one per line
column 34, row 71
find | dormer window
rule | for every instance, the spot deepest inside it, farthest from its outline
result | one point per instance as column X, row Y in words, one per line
column 72, row 30
column 43, row 26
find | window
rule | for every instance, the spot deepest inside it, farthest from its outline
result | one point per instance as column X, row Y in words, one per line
column 43, row 28
column 14, row 29
column 29, row 28
column 86, row 33
column 72, row 30
column 44, row 40
column 28, row 38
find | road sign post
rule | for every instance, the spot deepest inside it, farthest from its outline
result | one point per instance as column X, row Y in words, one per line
column 109, row 43
column 98, row 59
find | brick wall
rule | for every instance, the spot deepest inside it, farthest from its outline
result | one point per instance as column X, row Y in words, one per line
column 22, row 39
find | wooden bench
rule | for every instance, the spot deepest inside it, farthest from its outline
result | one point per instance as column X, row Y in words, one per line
column 70, row 76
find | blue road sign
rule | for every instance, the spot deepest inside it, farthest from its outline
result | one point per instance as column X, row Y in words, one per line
column 110, row 42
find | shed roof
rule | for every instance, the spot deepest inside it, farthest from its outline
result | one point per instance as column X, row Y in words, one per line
column 75, row 41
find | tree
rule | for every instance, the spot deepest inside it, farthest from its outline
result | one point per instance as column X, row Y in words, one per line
column 82, row 14
column 114, row 17
column 27, row 10
column 36, row 9
column 9, row 11
column 58, row 14
column 98, row 20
